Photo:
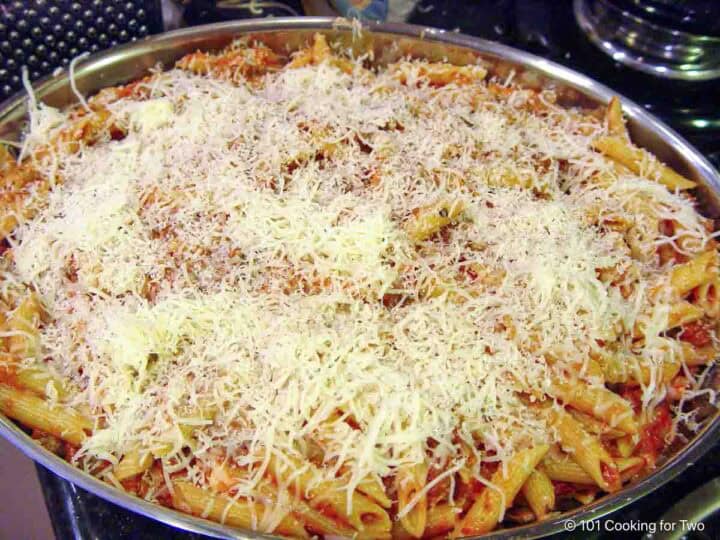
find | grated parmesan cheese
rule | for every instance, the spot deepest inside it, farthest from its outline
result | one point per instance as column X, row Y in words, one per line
column 268, row 221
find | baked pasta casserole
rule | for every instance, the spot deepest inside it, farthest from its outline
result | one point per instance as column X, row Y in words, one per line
column 314, row 296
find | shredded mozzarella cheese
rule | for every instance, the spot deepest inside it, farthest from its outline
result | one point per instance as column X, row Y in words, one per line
column 235, row 252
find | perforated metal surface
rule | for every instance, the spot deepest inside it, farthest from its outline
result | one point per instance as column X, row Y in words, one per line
column 46, row 34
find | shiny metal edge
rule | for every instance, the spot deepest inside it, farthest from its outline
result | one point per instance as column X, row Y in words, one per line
column 23, row 442
column 694, row 508
column 649, row 128
column 624, row 55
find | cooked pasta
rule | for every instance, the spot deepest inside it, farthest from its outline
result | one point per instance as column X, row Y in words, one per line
column 313, row 296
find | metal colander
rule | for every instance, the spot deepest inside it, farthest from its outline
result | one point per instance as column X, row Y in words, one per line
column 46, row 34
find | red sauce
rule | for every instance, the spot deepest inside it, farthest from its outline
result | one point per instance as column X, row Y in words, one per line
column 633, row 394
column 467, row 269
column 442, row 488
column 328, row 510
column 132, row 485
column 475, row 486
column 390, row 300
column 129, row 90
column 611, row 475
column 164, row 498
column 444, row 235
column 563, row 489
column 70, row 451
column 488, row 468
column 667, row 227
column 8, row 375
column 652, row 436
column 48, row 441
column 696, row 333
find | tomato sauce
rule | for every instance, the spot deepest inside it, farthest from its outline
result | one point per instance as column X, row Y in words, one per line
column 653, row 434
column 132, row 485
column 563, row 489
column 696, row 333
column 611, row 475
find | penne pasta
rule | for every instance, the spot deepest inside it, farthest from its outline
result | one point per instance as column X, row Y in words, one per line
column 362, row 513
column 373, row 488
column 312, row 293
column 35, row 378
column 595, row 426
column 23, row 323
column 641, row 162
column 14, row 209
column 224, row 477
column 39, row 381
column 682, row 313
column 698, row 356
column 707, row 297
column 441, row 519
column 487, row 509
column 409, row 482
column 597, row 401
column 539, row 493
column 698, row 271
column 585, row 497
column 587, row 451
column 368, row 518
column 315, row 521
column 429, row 220
column 132, row 464
column 565, row 470
column 33, row 411
column 630, row 466
column 614, row 118
column 235, row 512
column 627, row 368
column 437, row 74
column 626, row 445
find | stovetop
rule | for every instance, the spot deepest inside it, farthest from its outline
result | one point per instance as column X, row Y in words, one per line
column 549, row 30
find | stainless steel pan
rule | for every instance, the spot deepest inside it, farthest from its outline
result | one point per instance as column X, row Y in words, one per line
column 388, row 42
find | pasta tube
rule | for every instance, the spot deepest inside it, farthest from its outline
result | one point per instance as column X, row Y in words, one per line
column 624, row 368
column 25, row 321
column 640, row 161
column 33, row 411
column 315, row 520
column 485, row 512
column 597, row 401
column 373, row 488
column 565, row 470
column 366, row 516
column 707, row 297
column 430, row 219
column 683, row 313
column 698, row 271
column 132, row 464
column 587, row 450
column 614, row 118
column 410, row 480
column 539, row 493
column 238, row 513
